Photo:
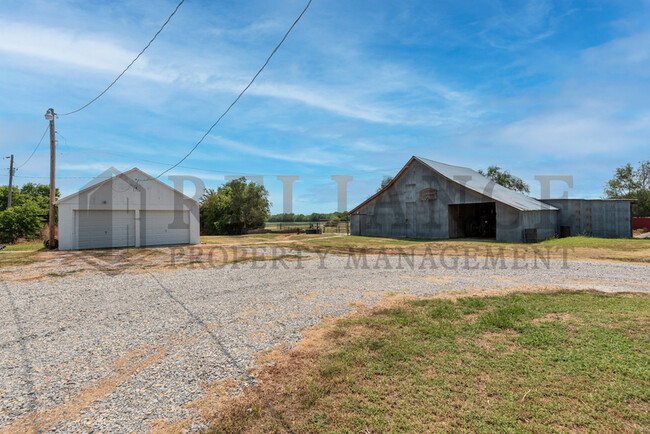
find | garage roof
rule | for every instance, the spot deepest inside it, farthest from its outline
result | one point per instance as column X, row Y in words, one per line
column 474, row 181
column 135, row 174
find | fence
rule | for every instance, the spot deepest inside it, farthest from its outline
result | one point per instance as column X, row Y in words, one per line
column 641, row 223
column 326, row 227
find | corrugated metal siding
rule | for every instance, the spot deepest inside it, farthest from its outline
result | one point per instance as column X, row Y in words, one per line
column 595, row 217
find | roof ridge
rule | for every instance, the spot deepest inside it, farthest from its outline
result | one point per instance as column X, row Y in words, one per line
column 121, row 174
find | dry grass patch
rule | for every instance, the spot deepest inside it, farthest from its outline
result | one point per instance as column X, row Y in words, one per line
column 17, row 259
column 571, row 248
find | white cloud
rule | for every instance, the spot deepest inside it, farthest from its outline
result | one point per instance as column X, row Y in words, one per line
column 309, row 156
column 566, row 133
column 516, row 24
column 627, row 55
column 63, row 46
column 363, row 100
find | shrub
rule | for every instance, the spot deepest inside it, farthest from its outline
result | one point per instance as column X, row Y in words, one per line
column 23, row 221
column 234, row 208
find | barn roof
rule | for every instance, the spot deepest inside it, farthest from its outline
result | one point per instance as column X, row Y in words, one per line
column 474, row 181
column 136, row 174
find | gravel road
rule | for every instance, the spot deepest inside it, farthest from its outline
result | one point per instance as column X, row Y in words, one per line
column 132, row 352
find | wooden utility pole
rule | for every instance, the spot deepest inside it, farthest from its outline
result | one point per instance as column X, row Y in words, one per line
column 11, row 179
column 50, row 116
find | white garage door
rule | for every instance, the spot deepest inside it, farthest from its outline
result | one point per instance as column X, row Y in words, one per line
column 164, row 227
column 104, row 229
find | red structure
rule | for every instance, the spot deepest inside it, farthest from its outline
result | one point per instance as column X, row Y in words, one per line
column 640, row 223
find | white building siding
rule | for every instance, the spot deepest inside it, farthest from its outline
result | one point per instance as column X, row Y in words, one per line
column 131, row 210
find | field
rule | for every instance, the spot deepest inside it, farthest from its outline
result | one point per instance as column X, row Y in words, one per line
column 561, row 361
column 572, row 248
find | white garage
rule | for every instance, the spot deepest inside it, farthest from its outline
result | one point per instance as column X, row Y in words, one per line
column 130, row 209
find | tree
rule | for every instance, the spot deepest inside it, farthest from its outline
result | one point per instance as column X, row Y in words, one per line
column 384, row 183
column 4, row 196
column 38, row 193
column 30, row 210
column 504, row 178
column 22, row 221
column 234, row 208
column 631, row 183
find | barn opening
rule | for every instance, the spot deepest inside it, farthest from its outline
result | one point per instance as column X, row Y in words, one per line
column 473, row 220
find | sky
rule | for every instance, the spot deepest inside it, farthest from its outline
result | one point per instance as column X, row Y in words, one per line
column 536, row 87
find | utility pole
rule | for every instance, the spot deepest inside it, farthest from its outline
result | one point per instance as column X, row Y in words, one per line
column 49, row 115
column 11, row 179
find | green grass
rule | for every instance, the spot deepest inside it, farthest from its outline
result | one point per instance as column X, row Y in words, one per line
column 523, row 362
column 599, row 243
column 37, row 245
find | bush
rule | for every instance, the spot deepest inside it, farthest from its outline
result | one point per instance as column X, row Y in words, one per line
column 234, row 208
column 23, row 221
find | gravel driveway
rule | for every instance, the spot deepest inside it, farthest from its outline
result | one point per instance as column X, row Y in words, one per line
column 132, row 352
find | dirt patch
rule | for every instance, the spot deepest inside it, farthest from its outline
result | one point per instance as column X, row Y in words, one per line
column 216, row 394
column 455, row 294
column 555, row 317
column 480, row 251
column 489, row 340
column 27, row 266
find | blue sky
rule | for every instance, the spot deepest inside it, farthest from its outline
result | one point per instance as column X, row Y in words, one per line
column 537, row 87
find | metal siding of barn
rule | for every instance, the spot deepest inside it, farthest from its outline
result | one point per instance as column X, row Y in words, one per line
column 595, row 217
column 398, row 211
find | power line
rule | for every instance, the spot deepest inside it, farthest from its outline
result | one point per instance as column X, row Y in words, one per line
column 223, row 172
column 241, row 93
column 34, row 151
column 129, row 65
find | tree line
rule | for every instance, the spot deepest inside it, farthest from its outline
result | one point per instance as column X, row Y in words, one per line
column 308, row 218
column 29, row 212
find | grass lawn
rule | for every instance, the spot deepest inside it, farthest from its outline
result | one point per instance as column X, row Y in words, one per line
column 581, row 248
column 36, row 245
column 545, row 362
column 599, row 243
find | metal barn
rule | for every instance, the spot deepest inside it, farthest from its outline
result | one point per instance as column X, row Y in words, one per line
column 429, row 199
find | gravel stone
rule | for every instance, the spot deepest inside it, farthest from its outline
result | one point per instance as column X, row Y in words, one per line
column 116, row 353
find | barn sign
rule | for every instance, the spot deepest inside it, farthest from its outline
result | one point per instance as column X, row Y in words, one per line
column 428, row 194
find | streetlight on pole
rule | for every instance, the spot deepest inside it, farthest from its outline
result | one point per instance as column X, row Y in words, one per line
column 50, row 115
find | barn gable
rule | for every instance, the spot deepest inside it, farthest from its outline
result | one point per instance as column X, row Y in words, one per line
column 433, row 200
column 474, row 181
